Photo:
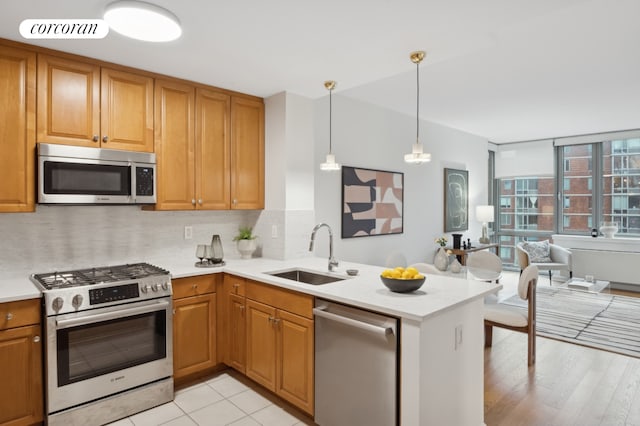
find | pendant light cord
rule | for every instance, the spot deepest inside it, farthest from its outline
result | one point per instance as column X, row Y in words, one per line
column 330, row 151
column 417, row 102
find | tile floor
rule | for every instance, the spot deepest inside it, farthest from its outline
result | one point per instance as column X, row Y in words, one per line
column 222, row 400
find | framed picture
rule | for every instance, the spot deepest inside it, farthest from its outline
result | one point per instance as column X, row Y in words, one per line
column 456, row 200
column 372, row 202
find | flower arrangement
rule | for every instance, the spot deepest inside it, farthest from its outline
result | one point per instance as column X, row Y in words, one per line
column 442, row 241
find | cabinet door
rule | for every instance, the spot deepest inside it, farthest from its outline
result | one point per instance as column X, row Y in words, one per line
column 194, row 335
column 126, row 115
column 261, row 344
column 174, row 142
column 68, row 102
column 295, row 360
column 247, row 154
column 21, row 376
column 237, row 332
column 17, row 130
column 212, row 157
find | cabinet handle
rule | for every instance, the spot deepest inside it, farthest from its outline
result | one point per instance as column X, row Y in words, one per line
column 194, row 286
column 36, row 339
column 96, row 138
column 105, row 139
column 9, row 316
column 276, row 321
column 241, row 308
column 235, row 201
column 193, row 201
column 200, row 201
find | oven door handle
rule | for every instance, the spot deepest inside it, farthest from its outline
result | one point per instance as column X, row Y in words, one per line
column 120, row 313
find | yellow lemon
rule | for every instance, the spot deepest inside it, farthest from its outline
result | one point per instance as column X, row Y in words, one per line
column 396, row 274
column 399, row 269
column 418, row 276
column 407, row 275
column 387, row 273
column 413, row 270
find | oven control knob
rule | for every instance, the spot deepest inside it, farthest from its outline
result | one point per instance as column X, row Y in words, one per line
column 145, row 288
column 165, row 286
column 76, row 301
column 154, row 287
column 57, row 304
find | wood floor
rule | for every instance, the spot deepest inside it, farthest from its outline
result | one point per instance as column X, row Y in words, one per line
column 568, row 385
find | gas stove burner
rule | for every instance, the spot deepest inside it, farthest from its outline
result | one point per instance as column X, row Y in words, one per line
column 91, row 276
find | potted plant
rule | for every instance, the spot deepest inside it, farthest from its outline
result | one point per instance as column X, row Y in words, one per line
column 246, row 242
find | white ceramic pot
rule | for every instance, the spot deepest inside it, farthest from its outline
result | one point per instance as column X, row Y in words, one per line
column 441, row 261
column 246, row 248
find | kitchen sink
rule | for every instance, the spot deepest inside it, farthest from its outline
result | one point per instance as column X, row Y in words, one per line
column 305, row 276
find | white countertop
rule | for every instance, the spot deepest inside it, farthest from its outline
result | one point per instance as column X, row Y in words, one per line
column 366, row 290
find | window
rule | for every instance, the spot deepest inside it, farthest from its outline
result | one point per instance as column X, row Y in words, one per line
column 620, row 181
column 577, row 188
column 531, row 208
column 506, row 184
column 505, row 202
column 505, row 219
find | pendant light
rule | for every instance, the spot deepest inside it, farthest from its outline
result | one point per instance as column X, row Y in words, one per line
column 330, row 164
column 417, row 156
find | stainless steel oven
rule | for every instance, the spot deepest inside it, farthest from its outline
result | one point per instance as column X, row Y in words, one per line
column 108, row 342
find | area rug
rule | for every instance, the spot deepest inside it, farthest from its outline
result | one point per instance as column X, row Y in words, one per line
column 597, row 320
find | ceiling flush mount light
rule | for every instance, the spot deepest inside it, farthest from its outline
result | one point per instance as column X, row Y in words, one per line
column 330, row 164
column 142, row 21
column 417, row 156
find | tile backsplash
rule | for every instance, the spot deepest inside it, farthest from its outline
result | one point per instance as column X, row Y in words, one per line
column 57, row 237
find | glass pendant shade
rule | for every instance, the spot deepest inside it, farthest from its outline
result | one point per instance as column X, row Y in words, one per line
column 417, row 155
column 330, row 164
column 142, row 21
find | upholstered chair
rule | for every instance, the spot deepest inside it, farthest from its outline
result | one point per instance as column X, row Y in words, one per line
column 559, row 258
column 484, row 266
column 513, row 318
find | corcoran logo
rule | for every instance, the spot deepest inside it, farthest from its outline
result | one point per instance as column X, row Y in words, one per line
column 64, row 28
column 117, row 378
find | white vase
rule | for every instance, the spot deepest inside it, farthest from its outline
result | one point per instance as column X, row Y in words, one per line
column 246, row 248
column 441, row 261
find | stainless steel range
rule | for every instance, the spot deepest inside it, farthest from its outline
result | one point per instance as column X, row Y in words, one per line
column 109, row 337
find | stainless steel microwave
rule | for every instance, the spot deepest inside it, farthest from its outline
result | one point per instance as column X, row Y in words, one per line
column 78, row 175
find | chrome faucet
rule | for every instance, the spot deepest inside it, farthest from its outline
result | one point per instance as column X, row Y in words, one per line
column 333, row 263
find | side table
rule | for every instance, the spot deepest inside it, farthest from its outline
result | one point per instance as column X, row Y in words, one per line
column 462, row 253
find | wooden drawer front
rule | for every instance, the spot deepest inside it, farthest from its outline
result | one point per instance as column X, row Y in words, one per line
column 237, row 285
column 194, row 286
column 297, row 303
column 19, row 313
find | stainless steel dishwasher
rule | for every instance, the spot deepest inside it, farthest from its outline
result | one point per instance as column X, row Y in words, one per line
column 356, row 366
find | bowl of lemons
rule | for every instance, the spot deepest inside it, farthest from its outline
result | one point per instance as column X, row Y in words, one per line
column 402, row 280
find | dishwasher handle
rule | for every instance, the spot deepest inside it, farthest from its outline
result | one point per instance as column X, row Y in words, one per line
column 352, row 322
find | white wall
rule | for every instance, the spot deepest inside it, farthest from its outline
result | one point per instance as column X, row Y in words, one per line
column 367, row 136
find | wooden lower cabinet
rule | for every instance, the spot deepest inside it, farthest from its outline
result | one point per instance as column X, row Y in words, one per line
column 237, row 336
column 280, row 346
column 21, row 382
column 295, row 363
column 194, row 326
column 261, row 344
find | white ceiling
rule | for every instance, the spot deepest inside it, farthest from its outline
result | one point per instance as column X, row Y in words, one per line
column 507, row 70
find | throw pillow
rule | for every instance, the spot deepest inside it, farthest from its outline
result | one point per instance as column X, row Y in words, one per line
column 539, row 252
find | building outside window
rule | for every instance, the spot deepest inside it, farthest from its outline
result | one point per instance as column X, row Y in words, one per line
column 621, row 184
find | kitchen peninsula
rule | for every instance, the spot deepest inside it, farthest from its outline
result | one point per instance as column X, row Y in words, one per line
column 441, row 332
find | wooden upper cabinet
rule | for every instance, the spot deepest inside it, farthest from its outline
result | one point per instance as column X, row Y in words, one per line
column 81, row 104
column 68, row 102
column 126, row 117
column 247, row 153
column 175, row 145
column 17, row 129
column 212, row 156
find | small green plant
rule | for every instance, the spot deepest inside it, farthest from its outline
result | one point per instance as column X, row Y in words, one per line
column 244, row 233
